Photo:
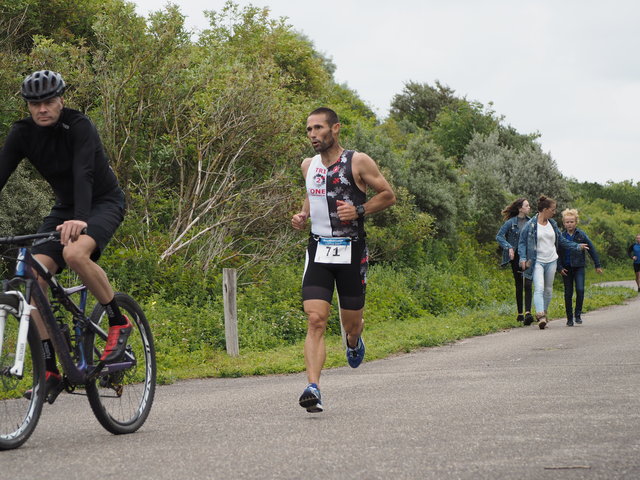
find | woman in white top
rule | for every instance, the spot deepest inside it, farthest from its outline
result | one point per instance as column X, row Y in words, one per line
column 538, row 251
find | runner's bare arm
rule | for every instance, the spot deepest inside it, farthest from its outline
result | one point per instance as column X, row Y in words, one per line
column 299, row 220
column 367, row 174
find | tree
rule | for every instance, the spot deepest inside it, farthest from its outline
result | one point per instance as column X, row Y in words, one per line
column 625, row 193
column 455, row 126
column 251, row 37
column 421, row 103
column 611, row 227
column 487, row 197
column 24, row 201
column 432, row 180
column 59, row 20
column 509, row 137
column 527, row 172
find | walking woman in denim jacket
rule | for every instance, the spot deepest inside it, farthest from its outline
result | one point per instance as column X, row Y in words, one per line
column 538, row 250
column 516, row 215
column 572, row 264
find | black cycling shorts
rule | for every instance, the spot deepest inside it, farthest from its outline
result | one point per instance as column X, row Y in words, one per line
column 105, row 217
column 349, row 279
column 636, row 267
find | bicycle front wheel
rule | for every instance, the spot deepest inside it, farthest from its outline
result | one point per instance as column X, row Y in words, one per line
column 18, row 415
column 121, row 401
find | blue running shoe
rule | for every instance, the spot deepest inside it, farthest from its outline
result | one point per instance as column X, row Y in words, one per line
column 355, row 355
column 311, row 399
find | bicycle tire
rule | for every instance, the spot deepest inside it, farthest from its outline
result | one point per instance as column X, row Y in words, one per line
column 18, row 415
column 122, row 401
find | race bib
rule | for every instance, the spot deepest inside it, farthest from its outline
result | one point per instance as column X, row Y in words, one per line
column 335, row 250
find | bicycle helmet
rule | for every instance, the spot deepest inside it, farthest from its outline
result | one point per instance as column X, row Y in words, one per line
column 42, row 85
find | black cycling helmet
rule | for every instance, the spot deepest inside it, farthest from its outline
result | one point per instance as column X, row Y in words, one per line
column 42, row 85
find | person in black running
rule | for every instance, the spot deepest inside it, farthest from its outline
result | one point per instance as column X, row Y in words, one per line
column 336, row 202
column 65, row 148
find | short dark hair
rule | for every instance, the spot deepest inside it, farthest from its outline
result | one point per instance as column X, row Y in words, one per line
column 332, row 117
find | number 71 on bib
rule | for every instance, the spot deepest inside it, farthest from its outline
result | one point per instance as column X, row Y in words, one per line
column 334, row 250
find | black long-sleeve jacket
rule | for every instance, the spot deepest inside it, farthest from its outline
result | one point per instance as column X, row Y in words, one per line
column 69, row 155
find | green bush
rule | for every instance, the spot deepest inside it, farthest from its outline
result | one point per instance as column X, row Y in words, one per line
column 610, row 226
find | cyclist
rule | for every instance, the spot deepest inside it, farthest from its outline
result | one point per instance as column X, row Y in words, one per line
column 336, row 202
column 65, row 148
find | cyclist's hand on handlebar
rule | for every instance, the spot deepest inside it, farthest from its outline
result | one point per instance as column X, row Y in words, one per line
column 71, row 230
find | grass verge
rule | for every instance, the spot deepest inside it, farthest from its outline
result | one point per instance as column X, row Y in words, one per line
column 383, row 338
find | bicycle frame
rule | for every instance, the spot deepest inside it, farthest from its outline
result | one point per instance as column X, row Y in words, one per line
column 25, row 317
column 28, row 269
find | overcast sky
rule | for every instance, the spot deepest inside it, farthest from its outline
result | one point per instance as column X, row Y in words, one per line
column 567, row 69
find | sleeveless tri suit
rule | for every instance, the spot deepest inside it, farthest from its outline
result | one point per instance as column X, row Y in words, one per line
column 325, row 186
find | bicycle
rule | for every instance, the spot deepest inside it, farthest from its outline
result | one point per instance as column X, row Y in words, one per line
column 120, row 394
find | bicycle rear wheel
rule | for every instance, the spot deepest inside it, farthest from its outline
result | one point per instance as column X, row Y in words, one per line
column 19, row 416
column 121, row 401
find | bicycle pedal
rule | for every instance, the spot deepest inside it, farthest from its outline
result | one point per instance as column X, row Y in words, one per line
column 52, row 395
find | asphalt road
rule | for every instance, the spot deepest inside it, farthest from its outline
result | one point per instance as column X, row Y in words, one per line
column 561, row 403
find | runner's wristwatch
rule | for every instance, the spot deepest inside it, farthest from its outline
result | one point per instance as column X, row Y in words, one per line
column 360, row 211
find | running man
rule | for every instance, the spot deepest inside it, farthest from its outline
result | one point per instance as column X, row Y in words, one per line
column 64, row 146
column 336, row 202
column 634, row 253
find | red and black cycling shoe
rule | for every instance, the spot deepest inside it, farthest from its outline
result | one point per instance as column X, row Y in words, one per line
column 116, row 342
column 53, row 387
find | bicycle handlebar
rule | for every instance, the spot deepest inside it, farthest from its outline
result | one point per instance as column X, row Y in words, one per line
column 26, row 240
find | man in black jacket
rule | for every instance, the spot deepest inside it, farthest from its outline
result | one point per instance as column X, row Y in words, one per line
column 65, row 148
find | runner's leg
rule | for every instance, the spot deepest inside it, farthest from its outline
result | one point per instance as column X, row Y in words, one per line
column 353, row 324
column 314, row 347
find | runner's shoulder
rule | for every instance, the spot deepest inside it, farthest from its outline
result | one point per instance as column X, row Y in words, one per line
column 305, row 165
column 363, row 163
column 361, row 158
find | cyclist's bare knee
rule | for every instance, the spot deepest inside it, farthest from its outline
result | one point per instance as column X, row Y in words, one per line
column 76, row 256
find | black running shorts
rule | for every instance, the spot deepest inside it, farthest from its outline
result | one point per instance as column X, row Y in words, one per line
column 105, row 217
column 349, row 279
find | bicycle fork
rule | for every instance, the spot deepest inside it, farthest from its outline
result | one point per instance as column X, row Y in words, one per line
column 23, row 331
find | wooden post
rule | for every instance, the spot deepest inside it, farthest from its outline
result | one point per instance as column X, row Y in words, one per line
column 229, row 282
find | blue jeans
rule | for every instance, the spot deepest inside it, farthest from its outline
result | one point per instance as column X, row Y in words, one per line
column 574, row 275
column 543, row 275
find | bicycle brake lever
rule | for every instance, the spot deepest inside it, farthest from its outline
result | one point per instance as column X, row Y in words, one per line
column 50, row 238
